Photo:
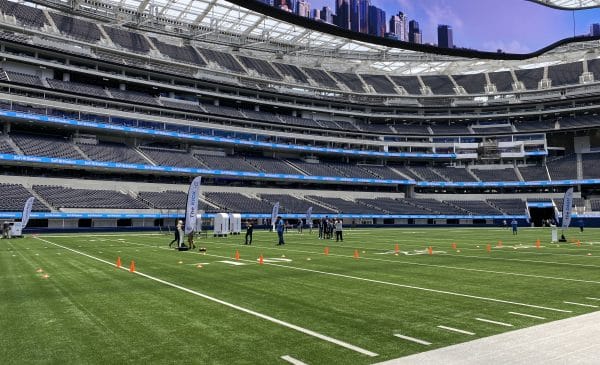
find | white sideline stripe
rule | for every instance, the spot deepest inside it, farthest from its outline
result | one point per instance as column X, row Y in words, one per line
column 590, row 298
column 402, row 285
column 412, row 339
column 526, row 315
column 291, row 360
column 582, row 305
column 494, row 322
column 230, row 305
column 235, row 263
column 456, row 330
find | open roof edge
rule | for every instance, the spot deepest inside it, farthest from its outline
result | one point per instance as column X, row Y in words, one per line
column 391, row 43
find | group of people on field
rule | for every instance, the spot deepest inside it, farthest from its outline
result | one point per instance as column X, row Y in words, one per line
column 327, row 227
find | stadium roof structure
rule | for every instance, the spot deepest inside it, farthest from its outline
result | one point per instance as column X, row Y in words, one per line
column 254, row 28
column 570, row 4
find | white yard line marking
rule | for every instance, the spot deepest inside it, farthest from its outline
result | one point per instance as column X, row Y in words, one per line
column 494, row 322
column 412, row 339
column 230, row 305
column 526, row 315
column 590, row 298
column 235, row 263
column 293, row 361
column 581, row 304
column 401, row 285
column 277, row 260
column 456, row 330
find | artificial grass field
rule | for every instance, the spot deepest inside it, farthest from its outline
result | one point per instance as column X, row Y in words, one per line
column 82, row 310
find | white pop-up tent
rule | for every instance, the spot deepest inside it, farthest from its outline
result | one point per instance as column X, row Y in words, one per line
column 235, row 223
column 221, row 225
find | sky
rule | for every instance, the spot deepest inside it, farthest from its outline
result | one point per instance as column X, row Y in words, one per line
column 515, row 26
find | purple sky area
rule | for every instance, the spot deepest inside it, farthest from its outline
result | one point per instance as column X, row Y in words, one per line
column 515, row 26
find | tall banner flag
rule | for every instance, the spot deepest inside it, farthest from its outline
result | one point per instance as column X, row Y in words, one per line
column 308, row 216
column 26, row 212
column 567, row 208
column 274, row 214
column 191, row 209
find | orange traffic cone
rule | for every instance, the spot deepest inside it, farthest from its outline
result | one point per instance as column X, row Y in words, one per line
column 326, row 251
column 453, row 245
column 430, row 250
column 397, row 248
column 237, row 255
column 537, row 244
column 488, row 248
column 132, row 266
column 119, row 262
column 578, row 243
column 261, row 260
column 356, row 254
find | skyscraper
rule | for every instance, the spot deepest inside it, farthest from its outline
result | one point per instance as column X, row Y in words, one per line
column 342, row 13
column 315, row 14
column 377, row 21
column 327, row 15
column 303, row 8
column 595, row 30
column 445, row 36
column 399, row 26
column 414, row 32
column 363, row 11
column 355, row 15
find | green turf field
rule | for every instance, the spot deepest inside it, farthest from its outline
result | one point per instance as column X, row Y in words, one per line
column 319, row 309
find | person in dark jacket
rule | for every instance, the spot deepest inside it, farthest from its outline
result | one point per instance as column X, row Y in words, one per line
column 280, row 227
column 249, row 230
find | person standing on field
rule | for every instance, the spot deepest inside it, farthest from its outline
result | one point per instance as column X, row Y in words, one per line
column 280, row 227
column 249, row 231
column 515, row 227
column 338, row 230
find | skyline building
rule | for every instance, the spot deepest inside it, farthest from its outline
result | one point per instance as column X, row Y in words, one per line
column 377, row 21
column 414, row 32
column 595, row 30
column 363, row 11
column 445, row 38
column 342, row 13
column 399, row 26
column 355, row 15
column 327, row 15
column 303, row 8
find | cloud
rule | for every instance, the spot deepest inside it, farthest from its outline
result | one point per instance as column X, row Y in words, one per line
column 443, row 14
column 407, row 6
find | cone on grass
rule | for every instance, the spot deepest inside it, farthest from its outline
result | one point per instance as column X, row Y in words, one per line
column 488, row 248
column 430, row 250
column 454, row 245
column 356, row 256
column 237, row 255
column 326, row 251
column 119, row 262
column 132, row 266
column 397, row 248
column 537, row 243
column 499, row 243
column 578, row 243
column 261, row 260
